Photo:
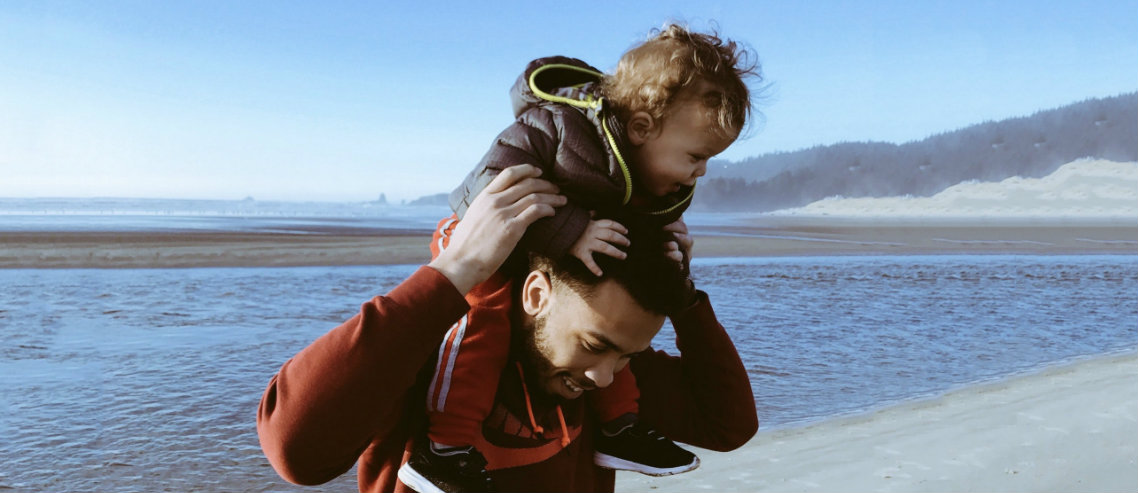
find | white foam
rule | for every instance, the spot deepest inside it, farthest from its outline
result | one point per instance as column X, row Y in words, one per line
column 1086, row 188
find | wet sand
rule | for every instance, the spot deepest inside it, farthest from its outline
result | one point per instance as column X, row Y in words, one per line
column 1071, row 427
column 768, row 237
column 146, row 250
column 788, row 236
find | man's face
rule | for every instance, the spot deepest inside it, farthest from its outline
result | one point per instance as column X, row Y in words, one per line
column 572, row 344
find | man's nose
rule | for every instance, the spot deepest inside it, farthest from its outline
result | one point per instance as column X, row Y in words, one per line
column 600, row 374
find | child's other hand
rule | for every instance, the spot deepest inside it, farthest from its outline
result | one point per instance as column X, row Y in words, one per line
column 681, row 248
column 601, row 236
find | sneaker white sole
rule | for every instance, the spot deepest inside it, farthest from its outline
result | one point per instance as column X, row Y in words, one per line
column 416, row 481
column 610, row 462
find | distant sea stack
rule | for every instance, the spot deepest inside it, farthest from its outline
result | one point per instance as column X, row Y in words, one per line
column 431, row 200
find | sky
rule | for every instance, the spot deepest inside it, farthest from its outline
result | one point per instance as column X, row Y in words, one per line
column 344, row 101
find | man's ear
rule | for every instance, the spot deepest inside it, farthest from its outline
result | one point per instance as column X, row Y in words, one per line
column 641, row 127
column 536, row 292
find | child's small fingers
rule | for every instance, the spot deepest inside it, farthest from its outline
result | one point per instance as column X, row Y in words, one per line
column 677, row 227
column 610, row 250
column 613, row 237
column 612, row 225
column 684, row 238
column 593, row 267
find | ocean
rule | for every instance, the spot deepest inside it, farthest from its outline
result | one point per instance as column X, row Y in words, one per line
column 149, row 379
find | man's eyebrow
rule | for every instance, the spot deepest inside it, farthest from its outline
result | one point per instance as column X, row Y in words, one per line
column 607, row 343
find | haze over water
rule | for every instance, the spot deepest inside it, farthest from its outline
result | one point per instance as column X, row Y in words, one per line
column 1085, row 189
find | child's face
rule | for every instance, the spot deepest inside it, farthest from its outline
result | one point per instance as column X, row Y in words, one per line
column 675, row 153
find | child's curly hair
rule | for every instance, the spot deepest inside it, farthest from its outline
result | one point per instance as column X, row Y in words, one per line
column 650, row 76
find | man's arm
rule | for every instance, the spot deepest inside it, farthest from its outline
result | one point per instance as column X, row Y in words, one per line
column 703, row 397
column 331, row 400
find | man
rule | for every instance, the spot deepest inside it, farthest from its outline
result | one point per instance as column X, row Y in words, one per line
column 356, row 393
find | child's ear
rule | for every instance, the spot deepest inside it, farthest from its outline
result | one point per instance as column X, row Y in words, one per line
column 641, row 126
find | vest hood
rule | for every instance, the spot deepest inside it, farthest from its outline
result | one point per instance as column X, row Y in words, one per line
column 558, row 79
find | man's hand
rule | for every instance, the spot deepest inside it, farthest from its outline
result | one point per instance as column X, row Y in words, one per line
column 494, row 223
column 601, row 237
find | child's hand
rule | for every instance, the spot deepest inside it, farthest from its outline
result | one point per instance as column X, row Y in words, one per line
column 679, row 250
column 601, row 237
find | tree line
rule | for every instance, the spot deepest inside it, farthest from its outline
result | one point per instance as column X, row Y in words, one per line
column 1032, row 146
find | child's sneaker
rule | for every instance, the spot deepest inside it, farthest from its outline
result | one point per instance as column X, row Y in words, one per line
column 627, row 445
column 445, row 470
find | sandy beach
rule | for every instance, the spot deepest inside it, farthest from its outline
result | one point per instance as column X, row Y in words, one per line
column 146, row 250
column 1071, row 427
column 768, row 237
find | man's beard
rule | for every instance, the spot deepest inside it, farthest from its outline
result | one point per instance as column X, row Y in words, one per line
column 530, row 345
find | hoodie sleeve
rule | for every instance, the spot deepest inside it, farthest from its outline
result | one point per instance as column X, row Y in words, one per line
column 349, row 387
column 703, row 397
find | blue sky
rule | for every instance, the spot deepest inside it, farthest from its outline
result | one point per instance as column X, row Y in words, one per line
column 347, row 100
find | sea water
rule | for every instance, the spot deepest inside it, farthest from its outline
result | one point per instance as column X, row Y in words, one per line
column 149, row 379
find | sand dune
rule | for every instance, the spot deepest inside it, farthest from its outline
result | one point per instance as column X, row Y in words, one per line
column 1082, row 189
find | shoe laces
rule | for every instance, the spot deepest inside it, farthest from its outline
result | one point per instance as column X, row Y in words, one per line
column 469, row 461
column 472, row 465
column 647, row 432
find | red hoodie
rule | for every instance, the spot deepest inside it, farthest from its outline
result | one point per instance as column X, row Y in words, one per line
column 357, row 394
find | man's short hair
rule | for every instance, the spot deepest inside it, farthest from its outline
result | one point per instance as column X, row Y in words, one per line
column 657, row 283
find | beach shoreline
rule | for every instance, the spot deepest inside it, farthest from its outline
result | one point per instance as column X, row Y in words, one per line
column 1071, row 426
column 771, row 237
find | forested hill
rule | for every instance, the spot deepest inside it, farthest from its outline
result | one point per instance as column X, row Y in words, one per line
column 1032, row 146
